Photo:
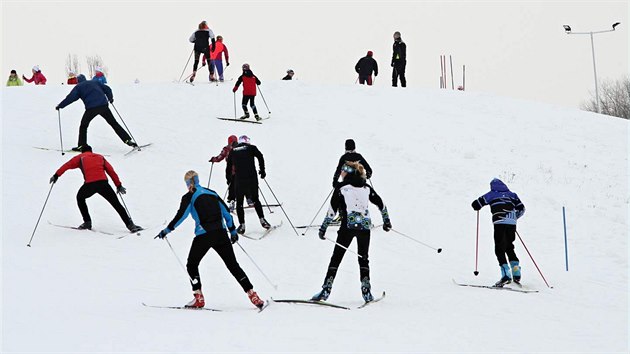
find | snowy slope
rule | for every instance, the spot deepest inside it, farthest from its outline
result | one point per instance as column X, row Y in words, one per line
column 432, row 152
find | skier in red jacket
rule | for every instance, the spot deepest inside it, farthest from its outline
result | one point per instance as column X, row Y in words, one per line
column 249, row 81
column 94, row 166
column 225, row 152
column 37, row 77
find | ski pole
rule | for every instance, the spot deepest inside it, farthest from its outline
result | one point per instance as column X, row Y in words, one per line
column 280, row 204
column 317, row 213
column 261, row 271
column 40, row 215
column 476, row 272
column 60, row 138
column 234, row 105
column 194, row 281
column 530, row 256
column 263, row 97
column 439, row 250
column 125, row 205
column 187, row 62
column 210, row 176
column 357, row 80
column 265, row 199
column 342, row 246
column 125, row 124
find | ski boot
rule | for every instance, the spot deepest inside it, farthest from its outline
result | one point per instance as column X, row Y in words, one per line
column 232, row 205
column 85, row 226
column 516, row 272
column 257, row 117
column 198, row 302
column 192, row 77
column 245, row 116
column 133, row 227
column 366, row 290
column 240, row 229
column 505, row 276
column 253, row 297
column 131, row 143
column 265, row 224
column 77, row 149
column 325, row 292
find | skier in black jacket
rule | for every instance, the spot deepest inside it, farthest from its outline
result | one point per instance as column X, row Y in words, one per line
column 352, row 156
column 201, row 38
column 245, row 179
column 365, row 66
column 399, row 61
column 351, row 200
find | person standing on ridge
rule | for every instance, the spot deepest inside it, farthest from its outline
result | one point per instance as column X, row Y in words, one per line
column 72, row 78
column 365, row 67
column 352, row 156
column 14, row 79
column 201, row 38
column 94, row 167
column 212, row 223
column 399, row 61
column 506, row 208
column 95, row 97
column 289, row 76
column 241, row 160
column 37, row 77
column 225, row 152
column 351, row 200
column 216, row 59
column 99, row 75
column 250, row 81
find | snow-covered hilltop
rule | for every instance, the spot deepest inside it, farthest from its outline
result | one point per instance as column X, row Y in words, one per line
column 432, row 152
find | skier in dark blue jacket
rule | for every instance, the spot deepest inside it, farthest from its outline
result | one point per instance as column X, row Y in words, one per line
column 506, row 208
column 95, row 96
column 212, row 221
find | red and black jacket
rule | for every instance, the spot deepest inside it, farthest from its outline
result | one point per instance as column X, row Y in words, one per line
column 249, row 81
column 93, row 166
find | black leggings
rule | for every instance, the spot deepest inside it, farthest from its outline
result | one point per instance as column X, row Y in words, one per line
column 206, row 53
column 247, row 188
column 218, row 240
column 250, row 99
column 504, row 236
column 344, row 237
column 104, row 112
column 105, row 190
column 399, row 71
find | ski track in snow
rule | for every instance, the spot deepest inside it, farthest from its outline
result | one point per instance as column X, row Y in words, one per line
column 432, row 152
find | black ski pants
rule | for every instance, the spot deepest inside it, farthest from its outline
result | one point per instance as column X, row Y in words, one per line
column 247, row 188
column 250, row 99
column 504, row 236
column 399, row 72
column 231, row 195
column 220, row 242
column 206, row 54
column 344, row 238
column 104, row 112
column 365, row 79
column 105, row 190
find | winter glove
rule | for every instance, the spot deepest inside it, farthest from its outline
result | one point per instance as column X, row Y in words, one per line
column 322, row 233
column 23, row 77
column 121, row 190
column 57, row 107
column 262, row 174
column 163, row 233
column 233, row 236
column 234, row 89
column 476, row 205
column 227, row 63
column 54, row 178
column 368, row 175
column 212, row 159
column 335, row 184
column 387, row 225
column 213, row 47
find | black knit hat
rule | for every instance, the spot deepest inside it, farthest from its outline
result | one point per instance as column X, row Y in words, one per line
column 86, row 148
column 350, row 145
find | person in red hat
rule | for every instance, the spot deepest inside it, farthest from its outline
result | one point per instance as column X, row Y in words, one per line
column 365, row 67
column 225, row 152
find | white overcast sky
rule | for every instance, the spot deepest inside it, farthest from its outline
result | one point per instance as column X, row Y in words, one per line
column 511, row 48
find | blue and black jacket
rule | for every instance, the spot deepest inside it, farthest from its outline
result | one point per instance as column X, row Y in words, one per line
column 505, row 205
column 207, row 209
column 92, row 93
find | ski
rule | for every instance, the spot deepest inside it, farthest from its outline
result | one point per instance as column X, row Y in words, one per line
column 125, row 235
column 520, row 290
column 266, row 233
column 59, row 150
column 240, row 120
column 138, row 148
column 264, row 306
column 263, row 205
column 76, row 228
column 310, row 302
column 373, row 301
column 182, row 308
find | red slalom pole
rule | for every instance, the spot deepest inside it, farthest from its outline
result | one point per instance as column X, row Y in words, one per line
column 530, row 256
column 476, row 272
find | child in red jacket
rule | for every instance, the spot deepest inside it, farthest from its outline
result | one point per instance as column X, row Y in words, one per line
column 250, row 81
column 38, row 77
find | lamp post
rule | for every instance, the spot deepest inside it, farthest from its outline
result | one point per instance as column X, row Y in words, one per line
column 567, row 30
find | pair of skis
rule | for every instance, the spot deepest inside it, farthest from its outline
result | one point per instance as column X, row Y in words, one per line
column 138, row 148
column 327, row 304
column 519, row 288
column 260, row 309
column 97, row 231
column 246, row 120
column 265, row 234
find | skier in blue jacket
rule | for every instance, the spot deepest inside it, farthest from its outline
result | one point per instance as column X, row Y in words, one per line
column 95, row 97
column 506, row 208
column 212, row 222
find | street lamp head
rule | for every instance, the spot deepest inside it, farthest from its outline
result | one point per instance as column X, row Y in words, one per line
column 616, row 24
column 567, row 28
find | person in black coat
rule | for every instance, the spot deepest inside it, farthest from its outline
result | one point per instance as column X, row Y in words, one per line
column 399, row 61
column 351, row 156
column 245, row 179
column 95, row 96
column 201, row 38
column 365, row 66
